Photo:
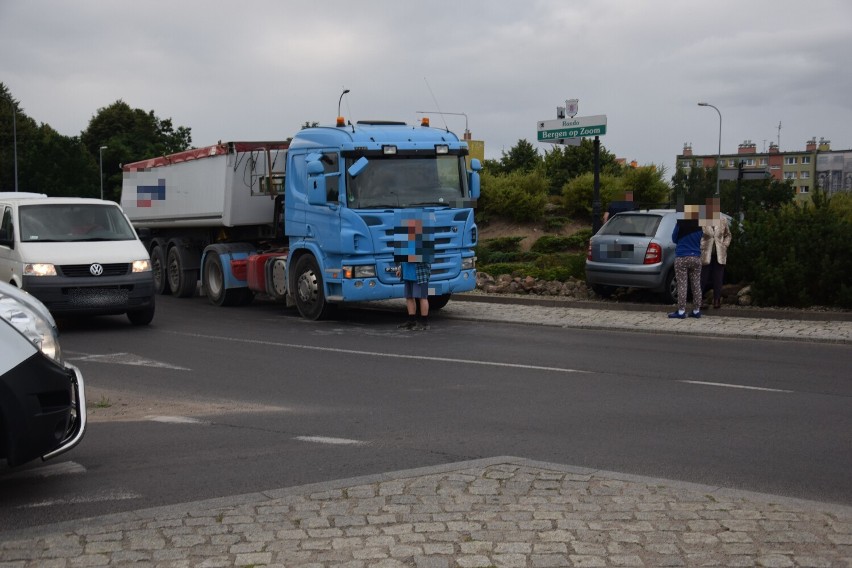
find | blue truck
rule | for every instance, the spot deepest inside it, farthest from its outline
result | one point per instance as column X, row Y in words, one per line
column 310, row 221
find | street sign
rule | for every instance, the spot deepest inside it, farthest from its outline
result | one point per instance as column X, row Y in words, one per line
column 578, row 127
column 563, row 141
column 571, row 106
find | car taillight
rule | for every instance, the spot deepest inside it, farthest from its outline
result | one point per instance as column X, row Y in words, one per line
column 589, row 252
column 654, row 254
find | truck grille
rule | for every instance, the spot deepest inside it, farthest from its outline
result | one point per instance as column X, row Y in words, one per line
column 83, row 270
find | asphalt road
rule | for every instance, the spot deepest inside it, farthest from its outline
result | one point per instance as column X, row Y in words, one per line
column 209, row 402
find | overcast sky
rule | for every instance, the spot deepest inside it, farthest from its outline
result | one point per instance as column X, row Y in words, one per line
column 259, row 69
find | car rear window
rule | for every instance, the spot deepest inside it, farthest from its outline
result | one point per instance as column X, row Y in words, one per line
column 629, row 224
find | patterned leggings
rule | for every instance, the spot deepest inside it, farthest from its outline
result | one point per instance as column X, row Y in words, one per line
column 688, row 269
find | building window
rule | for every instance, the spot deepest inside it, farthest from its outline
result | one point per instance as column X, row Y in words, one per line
column 804, row 175
column 804, row 189
column 789, row 175
column 748, row 162
column 774, row 167
column 731, row 163
column 685, row 164
column 699, row 163
column 762, row 161
column 806, row 159
column 791, row 160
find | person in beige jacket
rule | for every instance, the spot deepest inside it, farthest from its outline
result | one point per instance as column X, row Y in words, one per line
column 714, row 248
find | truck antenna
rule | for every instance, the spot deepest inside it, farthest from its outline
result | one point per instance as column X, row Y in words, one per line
column 340, row 100
column 437, row 106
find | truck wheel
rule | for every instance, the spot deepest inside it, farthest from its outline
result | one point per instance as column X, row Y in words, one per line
column 438, row 302
column 308, row 288
column 158, row 269
column 182, row 282
column 143, row 316
column 213, row 281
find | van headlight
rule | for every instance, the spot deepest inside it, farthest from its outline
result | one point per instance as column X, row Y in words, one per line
column 360, row 271
column 39, row 269
column 32, row 325
column 142, row 265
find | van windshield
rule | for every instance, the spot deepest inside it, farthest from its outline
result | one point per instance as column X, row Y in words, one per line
column 71, row 222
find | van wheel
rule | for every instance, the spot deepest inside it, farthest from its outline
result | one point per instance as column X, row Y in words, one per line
column 308, row 287
column 158, row 269
column 182, row 282
column 213, row 282
column 143, row 316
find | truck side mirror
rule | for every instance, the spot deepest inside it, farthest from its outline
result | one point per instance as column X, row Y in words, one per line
column 473, row 181
column 316, row 183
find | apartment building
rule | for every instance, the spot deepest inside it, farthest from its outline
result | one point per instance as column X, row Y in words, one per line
column 817, row 165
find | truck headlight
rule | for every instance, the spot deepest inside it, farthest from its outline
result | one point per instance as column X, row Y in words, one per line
column 142, row 265
column 360, row 271
column 39, row 269
column 32, row 325
column 469, row 263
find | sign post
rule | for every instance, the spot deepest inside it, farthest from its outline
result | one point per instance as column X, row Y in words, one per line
column 569, row 131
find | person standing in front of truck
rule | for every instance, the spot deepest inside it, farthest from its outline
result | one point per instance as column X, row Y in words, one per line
column 414, row 251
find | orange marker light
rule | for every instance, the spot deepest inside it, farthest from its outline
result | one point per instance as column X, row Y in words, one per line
column 424, row 121
column 341, row 121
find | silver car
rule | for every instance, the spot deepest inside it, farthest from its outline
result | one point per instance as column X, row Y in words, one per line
column 634, row 250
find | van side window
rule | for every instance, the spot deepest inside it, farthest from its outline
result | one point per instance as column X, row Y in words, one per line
column 7, row 232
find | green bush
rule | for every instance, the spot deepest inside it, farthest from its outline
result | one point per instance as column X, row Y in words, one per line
column 555, row 223
column 798, row 255
column 549, row 243
column 501, row 244
column 577, row 194
column 561, row 266
column 518, row 196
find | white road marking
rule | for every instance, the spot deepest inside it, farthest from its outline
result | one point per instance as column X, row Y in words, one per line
column 62, row 468
column 117, row 495
column 324, row 440
column 124, row 359
column 378, row 354
column 726, row 385
column 174, row 419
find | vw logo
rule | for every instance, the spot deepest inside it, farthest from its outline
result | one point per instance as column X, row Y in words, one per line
column 96, row 269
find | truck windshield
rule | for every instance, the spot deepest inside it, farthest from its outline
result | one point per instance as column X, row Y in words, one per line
column 57, row 223
column 408, row 181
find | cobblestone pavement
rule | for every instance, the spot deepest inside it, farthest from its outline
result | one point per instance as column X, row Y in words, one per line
column 500, row 512
column 495, row 512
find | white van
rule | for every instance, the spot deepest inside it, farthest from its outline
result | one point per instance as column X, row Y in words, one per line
column 78, row 256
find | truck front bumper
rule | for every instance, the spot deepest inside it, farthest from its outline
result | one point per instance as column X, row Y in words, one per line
column 368, row 289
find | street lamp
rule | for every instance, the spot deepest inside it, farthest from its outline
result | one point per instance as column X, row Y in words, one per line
column 101, row 153
column 719, row 154
column 340, row 100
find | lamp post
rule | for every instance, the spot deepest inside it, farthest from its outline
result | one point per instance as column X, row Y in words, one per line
column 719, row 153
column 101, row 153
column 15, row 140
column 340, row 100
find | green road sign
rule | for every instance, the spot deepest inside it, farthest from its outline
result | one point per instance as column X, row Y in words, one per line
column 577, row 127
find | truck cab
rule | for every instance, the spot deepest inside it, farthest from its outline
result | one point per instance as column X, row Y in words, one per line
column 346, row 190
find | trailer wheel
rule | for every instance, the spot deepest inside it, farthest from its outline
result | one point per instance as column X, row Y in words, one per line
column 158, row 269
column 182, row 282
column 213, row 281
column 308, row 287
column 438, row 302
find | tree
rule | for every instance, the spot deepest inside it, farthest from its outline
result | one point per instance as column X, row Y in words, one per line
column 577, row 193
column 522, row 157
column 648, row 186
column 565, row 163
column 130, row 135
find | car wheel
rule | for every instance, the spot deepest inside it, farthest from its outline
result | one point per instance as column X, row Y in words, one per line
column 670, row 290
column 143, row 316
column 308, row 287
